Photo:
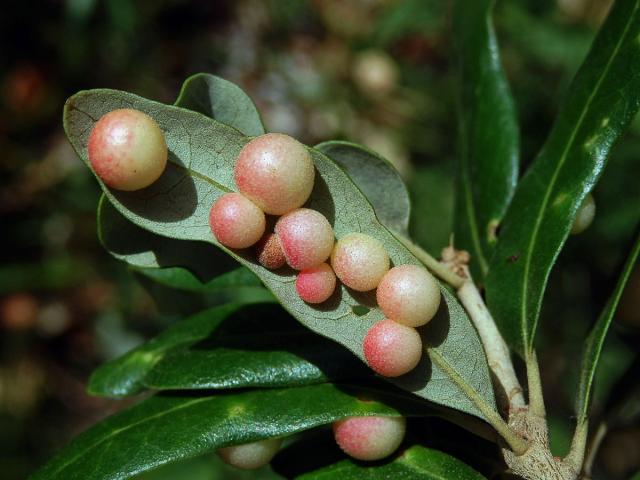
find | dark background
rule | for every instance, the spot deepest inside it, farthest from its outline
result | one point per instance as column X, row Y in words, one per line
column 377, row 72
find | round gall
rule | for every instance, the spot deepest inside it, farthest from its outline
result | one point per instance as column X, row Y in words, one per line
column 409, row 294
column 584, row 216
column 251, row 455
column 369, row 438
column 315, row 285
column 276, row 172
column 306, row 237
column 236, row 222
column 127, row 149
column 392, row 349
column 269, row 252
column 359, row 261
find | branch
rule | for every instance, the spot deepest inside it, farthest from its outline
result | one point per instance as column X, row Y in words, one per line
column 536, row 398
column 498, row 356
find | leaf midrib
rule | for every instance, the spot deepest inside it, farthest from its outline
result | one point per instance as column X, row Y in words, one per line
column 125, row 428
column 547, row 196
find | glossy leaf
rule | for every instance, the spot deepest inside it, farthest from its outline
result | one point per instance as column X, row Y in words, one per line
column 164, row 429
column 417, row 462
column 595, row 341
column 218, row 98
column 601, row 101
column 124, row 375
column 200, row 170
column 488, row 133
column 377, row 178
column 263, row 360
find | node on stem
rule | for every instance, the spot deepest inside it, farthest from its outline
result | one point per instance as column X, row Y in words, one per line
column 409, row 294
column 127, row 149
column 369, row 438
column 315, row 285
column 236, row 221
column 392, row 349
column 251, row 455
column 276, row 172
column 359, row 261
column 306, row 237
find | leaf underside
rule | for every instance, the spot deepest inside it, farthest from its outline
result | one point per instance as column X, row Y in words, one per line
column 601, row 101
column 202, row 152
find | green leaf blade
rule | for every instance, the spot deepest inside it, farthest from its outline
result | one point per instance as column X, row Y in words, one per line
column 292, row 359
column 604, row 97
column 164, row 429
column 596, row 338
column 377, row 178
column 488, row 131
column 416, row 462
column 218, row 98
column 124, row 375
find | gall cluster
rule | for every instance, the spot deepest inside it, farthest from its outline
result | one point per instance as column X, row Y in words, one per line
column 274, row 175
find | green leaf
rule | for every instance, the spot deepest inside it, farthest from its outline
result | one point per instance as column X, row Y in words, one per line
column 636, row 476
column 183, row 279
column 164, row 429
column 488, row 133
column 416, row 463
column 218, row 98
column 377, row 178
column 141, row 248
column 595, row 341
column 202, row 154
column 256, row 360
column 124, row 375
column 601, row 102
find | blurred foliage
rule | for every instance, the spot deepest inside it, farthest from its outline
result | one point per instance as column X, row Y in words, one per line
column 377, row 72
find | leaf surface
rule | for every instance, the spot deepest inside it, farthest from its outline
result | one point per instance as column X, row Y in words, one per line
column 595, row 340
column 124, row 375
column 221, row 99
column 602, row 100
column 416, row 462
column 488, row 133
column 202, row 153
column 377, row 178
column 164, row 429
column 256, row 360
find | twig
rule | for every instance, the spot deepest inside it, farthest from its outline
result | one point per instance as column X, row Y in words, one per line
column 594, row 446
column 498, row 356
column 536, row 398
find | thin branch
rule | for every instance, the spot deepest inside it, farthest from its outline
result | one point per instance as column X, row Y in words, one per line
column 536, row 398
column 515, row 442
column 498, row 356
column 578, row 446
column 434, row 266
column 594, row 446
